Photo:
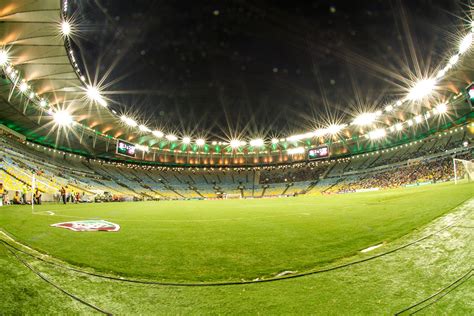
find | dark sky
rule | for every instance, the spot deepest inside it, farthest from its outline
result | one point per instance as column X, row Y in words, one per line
column 267, row 68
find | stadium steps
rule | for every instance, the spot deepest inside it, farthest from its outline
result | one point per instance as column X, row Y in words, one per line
column 310, row 187
column 328, row 170
column 333, row 185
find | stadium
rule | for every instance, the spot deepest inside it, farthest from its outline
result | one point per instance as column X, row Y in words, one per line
column 112, row 201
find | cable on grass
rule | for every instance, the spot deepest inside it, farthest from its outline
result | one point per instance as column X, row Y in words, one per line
column 44, row 278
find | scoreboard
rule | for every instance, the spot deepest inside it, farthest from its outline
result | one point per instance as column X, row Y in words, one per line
column 318, row 152
column 125, row 149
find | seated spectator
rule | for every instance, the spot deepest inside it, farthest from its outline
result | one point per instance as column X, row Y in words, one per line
column 17, row 198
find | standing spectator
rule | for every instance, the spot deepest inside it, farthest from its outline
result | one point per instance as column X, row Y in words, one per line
column 2, row 192
column 38, row 196
column 63, row 194
column 24, row 191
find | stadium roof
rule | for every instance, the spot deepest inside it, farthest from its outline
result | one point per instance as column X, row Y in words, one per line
column 42, row 77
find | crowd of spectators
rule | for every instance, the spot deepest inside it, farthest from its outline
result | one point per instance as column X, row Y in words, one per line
column 292, row 174
column 438, row 170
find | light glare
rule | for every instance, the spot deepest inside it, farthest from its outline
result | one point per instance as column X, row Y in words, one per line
column 421, row 89
column 3, row 57
column 62, row 118
column 66, row 28
column 465, row 43
column 365, row 119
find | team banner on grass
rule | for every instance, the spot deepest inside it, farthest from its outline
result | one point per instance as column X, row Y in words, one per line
column 89, row 226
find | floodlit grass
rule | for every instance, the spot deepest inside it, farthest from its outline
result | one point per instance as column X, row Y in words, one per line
column 194, row 241
column 156, row 236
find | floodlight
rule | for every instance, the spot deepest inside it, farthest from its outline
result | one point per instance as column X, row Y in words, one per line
column 333, row 129
column 388, row 108
column 65, row 28
column 418, row 119
column 43, row 103
column 186, row 140
column 200, row 142
column 31, row 95
column 296, row 150
column 235, row 143
column 62, row 118
column 143, row 128
column 377, row 134
column 410, row 123
column 94, row 95
column 274, row 141
column 214, row 143
column 440, row 73
column 158, row 134
column 441, row 108
column 171, row 137
column 128, row 121
column 257, row 142
column 465, row 43
column 421, row 89
column 453, row 60
column 3, row 57
column 365, row 119
column 143, row 148
column 23, row 87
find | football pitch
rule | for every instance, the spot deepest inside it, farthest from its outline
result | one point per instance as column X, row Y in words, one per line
column 294, row 242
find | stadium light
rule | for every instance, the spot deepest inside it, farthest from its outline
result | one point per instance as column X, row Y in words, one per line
column 453, row 60
column 465, row 43
column 200, row 142
column 365, row 119
column 43, row 103
column 296, row 151
column 441, row 108
column 334, row 129
column 257, row 142
column 128, row 121
column 171, row 137
column 65, row 28
column 440, row 73
column 23, row 87
column 158, row 134
column 235, row 143
column 421, row 89
column 143, row 128
column 377, row 134
column 388, row 108
column 274, row 141
column 94, row 95
column 186, row 140
column 3, row 57
column 143, row 148
column 62, row 118
column 418, row 119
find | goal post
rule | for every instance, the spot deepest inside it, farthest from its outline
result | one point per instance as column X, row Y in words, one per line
column 463, row 169
column 229, row 196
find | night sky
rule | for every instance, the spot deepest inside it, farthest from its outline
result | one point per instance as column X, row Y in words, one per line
column 258, row 68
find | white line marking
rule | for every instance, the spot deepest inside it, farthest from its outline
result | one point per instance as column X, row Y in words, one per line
column 371, row 248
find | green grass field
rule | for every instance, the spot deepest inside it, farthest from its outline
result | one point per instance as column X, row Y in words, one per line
column 234, row 240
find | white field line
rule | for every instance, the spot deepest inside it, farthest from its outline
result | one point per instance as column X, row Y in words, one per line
column 371, row 248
